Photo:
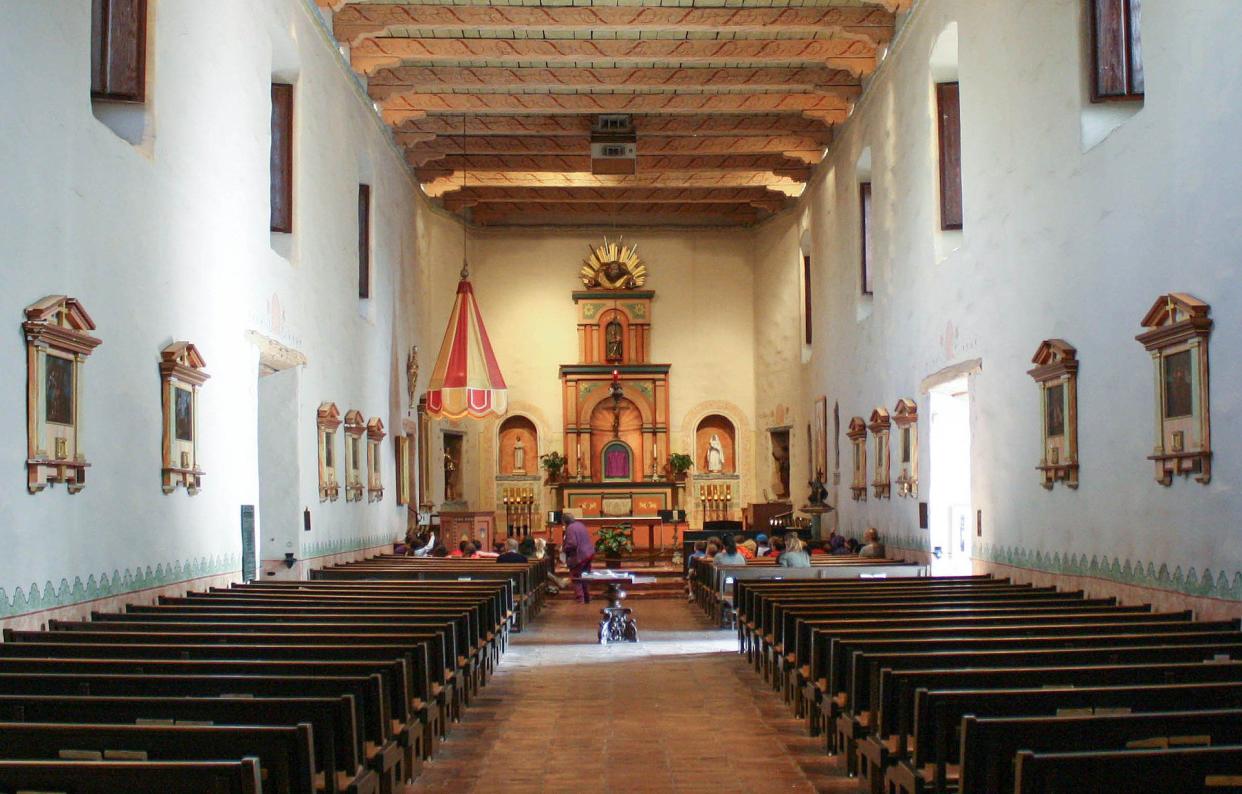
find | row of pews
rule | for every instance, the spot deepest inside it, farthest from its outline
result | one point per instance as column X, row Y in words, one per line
column 345, row 684
column 976, row 684
column 711, row 585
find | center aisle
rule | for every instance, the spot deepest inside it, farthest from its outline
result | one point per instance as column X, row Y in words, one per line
column 679, row 711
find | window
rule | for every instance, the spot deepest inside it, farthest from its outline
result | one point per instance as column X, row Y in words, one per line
column 364, row 241
column 282, row 157
column 119, row 50
column 806, row 298
column 950, row 126
column 1116, row 50
column 864, row 212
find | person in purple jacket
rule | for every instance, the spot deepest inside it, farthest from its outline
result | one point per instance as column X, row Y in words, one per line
column 579, row 550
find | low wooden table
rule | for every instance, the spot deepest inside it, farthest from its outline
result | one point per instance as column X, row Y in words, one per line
column 616, row 623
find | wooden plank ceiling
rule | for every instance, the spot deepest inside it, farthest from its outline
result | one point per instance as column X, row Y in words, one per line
column 731, row 101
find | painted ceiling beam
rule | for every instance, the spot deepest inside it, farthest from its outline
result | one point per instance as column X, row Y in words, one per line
column 439, row 185
column 806, row 147
column 393, row 82
column 828, row 109
column 857, row 57
column 456, row 163
column 688, row 125
column 358, row 22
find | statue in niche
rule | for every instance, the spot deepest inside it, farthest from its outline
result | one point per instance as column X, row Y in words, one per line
column 411, row 376
column 614, row 348
column 819, row 491
column 450, row 486
column 715, row 455
column 519, row 457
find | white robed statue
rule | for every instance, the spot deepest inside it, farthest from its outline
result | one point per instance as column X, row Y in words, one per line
column 715, row 455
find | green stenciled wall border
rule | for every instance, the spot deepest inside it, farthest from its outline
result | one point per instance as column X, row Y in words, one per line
column 1217, row 583
column 1207, row 584
column 49, row 596
column 344, row 545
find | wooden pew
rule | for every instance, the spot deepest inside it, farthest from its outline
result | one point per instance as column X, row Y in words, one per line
column 1196, row 769
column 285, row 754
column 142, row 777
column 989, row 744
column 338, row 768
column 943, row 707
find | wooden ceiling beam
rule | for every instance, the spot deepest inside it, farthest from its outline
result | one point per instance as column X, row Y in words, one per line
column 611, row 218
column 857, row 57
column 456, row 163
column 359, row 22
column 828, row 109
column 389, row 83
column 806, row 148
column 755, row 196
column 644, row 124
column 439, row 185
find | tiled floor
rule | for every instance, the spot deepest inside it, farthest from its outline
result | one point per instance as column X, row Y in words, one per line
column 679, row 711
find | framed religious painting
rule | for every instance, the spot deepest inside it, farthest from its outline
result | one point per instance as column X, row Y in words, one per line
column 857, row 434
column 819, row 441
column 879, row 427
column 58, row 342
column 181, row 375
column 327, row 420
column 355, row 429
column 1177, row 339
column 375, row 480
column 1056, row 373
column 906, row 418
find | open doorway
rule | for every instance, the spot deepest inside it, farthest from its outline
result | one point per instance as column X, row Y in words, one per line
column 279, row 500
column 949, row 506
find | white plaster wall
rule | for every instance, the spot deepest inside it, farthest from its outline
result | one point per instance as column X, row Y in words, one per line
column 169, row 240
column 1058, row 242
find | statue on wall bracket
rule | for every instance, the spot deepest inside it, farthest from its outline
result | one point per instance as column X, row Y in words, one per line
column 613, row 266
column 1056, row 372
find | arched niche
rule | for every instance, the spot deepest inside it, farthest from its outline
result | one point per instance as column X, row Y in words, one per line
column 616, row 461
column 628, row 430
column 518, row 446
column 723, row 429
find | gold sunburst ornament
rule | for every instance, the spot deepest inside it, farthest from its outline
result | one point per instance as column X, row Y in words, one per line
column 613, row 266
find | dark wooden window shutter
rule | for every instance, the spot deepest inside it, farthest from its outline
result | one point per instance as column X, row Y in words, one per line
column 119, row 50
column 806, row 297
column 948, row 108
column 364, row 241
column 864, row 213
column 1116, row 49
column 282, row 157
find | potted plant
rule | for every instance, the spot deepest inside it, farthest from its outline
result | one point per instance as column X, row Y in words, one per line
column 613, row 541
column 553, row 463
column 679, row 463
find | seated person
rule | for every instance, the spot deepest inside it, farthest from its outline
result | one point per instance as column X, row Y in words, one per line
column 439, row 551
column 795, row 555
column 818, row 548
column 465, row 550
column 778, row 546
column 746, row 547
column 700, row 549
column 852, row 546
column 730, row 555
column 761, row 545
column 872, row 547
column 713, row 548
column 511, row 553
column 527, row 548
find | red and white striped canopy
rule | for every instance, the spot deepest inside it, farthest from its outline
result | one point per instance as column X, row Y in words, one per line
column 466, row 380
